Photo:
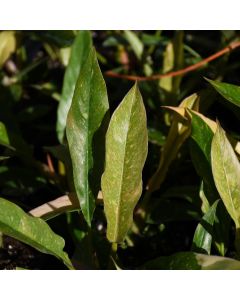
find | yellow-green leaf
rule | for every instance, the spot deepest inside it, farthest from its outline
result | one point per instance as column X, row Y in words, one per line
column 33, row 231
column 126, row 151
column 86, row 127
column 177, row 135
column 226, row 173
column 7, row 45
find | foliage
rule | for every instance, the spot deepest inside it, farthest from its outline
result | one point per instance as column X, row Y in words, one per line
column 100, row 172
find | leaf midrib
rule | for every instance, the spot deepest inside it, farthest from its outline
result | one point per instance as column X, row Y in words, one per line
column 116, row 232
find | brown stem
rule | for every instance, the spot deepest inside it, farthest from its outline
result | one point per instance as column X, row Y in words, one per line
column 193, row 67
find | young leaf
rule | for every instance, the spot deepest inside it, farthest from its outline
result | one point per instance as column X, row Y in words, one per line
column 79, row 53
column 226, row 173
column 35, row 232
column 229, row 91
column 192, row 261
column 177, row 135
column 86, row 127
column 126, row 151
column 202, row 240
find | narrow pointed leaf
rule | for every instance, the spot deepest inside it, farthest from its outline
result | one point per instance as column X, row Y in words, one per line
column 192, row 261
column 35, row 232
column 229, row 91
column 86, row 127
column 226, row 173
column 202, row 240
column 79, row 53
column 177, row 135
column 126, row 151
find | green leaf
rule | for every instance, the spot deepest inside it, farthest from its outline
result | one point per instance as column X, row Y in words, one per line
column 192, row 261
column 202, row 239
column 226, row 173
column 86, row 127
column 229, row 91
column 200, row 149
column 59, row 38
column 35, row 232
column 126, row 151
column 135, row 42
column 4, row 138
column 79, row 53
column 155, row 136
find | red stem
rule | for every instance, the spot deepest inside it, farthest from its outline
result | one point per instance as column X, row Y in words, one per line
column 193, row 67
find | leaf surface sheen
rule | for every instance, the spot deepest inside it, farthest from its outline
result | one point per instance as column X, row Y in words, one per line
column 79, row 54
column 226, row 173
column 230, row 92
column 86, row 127
column 126, row 151
column 33, row 231
column 202, row 239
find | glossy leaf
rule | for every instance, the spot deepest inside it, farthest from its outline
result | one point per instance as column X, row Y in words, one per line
column 200, row 150
column 86, row 126
column 202, row 240
column 192, row 261
column 7, row 45
column 79, row 53
column 229, row 91
column 126, row 151
column 226, row 173
column 35, row 232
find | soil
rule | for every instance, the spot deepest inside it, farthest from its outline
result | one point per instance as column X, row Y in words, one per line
column 15, row 254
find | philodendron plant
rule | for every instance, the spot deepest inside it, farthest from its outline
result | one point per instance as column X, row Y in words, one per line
column 104, row 156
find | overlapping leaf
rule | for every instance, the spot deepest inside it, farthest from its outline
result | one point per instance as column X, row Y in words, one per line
column 79, row 53
column 177, row 135
column 226, row 173
column 229, row 91
column 86, row 126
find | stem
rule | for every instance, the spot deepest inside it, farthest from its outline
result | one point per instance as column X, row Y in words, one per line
column 190, row 68
column 237, row 241
column 113, row 257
